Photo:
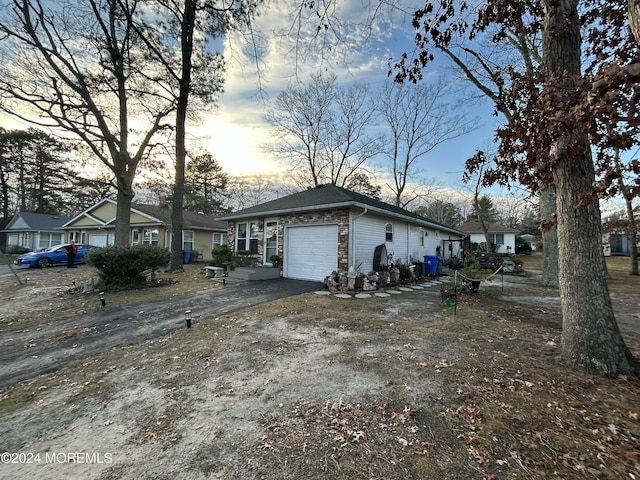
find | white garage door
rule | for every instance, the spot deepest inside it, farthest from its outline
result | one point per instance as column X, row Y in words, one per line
column 99, row 240
column 311, row 252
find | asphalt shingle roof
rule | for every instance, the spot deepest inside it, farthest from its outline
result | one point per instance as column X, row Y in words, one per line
column 192, row 219
column 474, row 226
column 40, row 221
column 325, row 196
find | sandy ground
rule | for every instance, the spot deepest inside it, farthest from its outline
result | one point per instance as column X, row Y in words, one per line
column 209, row 402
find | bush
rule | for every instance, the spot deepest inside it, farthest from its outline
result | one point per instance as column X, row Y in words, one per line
column 17, row 250
column 127, row 265
column 405, row 271
column 222, row 256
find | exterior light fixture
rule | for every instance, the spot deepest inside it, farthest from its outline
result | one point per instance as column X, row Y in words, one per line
column 103, row 302
column 187, row 317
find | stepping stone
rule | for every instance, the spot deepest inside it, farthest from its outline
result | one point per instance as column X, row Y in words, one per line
column 417, row 287
column 342, row 295
column 322, row 292
column 394, row 292
column 382, row 294
column 405, row 289
column 363, row 295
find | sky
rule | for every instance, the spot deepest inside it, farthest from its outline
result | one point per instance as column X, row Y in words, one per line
column 236, row 133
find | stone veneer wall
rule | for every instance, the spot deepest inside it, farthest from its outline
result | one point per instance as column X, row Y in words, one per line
column 339, row 216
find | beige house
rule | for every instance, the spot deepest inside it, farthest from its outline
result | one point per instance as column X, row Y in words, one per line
column 150, row 225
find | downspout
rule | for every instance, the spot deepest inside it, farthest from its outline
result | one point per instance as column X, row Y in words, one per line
column 407, row 260
column 353, row 236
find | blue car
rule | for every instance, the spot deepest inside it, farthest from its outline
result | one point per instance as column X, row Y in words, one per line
column 56, row 255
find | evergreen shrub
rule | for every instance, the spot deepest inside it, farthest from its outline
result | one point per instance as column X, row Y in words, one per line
column 127, row 265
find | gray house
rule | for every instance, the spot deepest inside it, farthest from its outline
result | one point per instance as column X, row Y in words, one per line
column 35, row 231
column 328, row 228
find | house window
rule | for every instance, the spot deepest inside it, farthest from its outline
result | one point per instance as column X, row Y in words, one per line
column 150, row 237
column 187, row 240
column 247, row 237
column 388, row 232
column 49, row 240
column 497, row 238
column 74, row 237
column 135, row 237
column 218, row 239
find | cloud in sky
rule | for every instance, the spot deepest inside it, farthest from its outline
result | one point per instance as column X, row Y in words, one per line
column 289, row 52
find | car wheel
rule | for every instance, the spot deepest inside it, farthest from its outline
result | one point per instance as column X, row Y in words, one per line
column 44, row 263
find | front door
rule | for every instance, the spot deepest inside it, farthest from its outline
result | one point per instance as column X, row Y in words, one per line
column 270, row 240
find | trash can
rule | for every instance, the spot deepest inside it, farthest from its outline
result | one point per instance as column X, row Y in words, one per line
column 186, row 256
column 432, row 264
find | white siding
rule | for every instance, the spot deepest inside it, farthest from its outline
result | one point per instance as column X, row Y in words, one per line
column 367, row 234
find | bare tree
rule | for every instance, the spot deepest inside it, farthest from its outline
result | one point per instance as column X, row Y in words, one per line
column 192, row 73
column 78, row 66
column 420, row 118
column 321, row 130
column 244, row 192
column 441, row 211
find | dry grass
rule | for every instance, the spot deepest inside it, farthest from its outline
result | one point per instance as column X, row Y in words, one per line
column 479, row 393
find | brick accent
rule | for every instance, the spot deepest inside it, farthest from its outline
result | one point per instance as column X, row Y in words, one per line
column 339, row 216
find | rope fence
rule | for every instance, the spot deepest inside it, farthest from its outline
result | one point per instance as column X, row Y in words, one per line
column 455, row 284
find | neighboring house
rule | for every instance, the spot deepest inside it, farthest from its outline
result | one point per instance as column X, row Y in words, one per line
column 503, row 237
column 532, row 240
column 35, row 231
column 150, row 225
column 616, row 244
column 328, row 228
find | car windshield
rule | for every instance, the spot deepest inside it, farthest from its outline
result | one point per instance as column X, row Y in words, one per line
column 53, row 249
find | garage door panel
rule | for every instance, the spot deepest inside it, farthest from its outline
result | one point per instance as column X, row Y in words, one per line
column 311, row 252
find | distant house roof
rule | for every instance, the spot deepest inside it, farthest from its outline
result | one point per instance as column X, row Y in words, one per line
column 190, row 219
column 35, row 222
column 153, row 215
column 331, row 196
column 474, row 226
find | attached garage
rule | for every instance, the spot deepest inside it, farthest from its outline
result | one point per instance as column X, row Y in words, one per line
column 310, row 252
column 99, row 240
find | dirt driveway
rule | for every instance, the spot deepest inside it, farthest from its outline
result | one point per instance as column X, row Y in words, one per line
column 314, row 386
column 86, row 330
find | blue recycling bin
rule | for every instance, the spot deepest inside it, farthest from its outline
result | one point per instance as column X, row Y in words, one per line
column 186, row 256
column 432, row 264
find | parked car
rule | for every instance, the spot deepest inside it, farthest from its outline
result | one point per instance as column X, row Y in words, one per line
column 56, row 255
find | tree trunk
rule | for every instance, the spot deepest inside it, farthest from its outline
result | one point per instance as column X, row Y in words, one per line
column 591, row 339
column 188, row 25
column 549, row 238
column 634, row 18
column 123, row 212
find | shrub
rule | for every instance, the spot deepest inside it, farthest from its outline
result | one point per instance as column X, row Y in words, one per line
column 222, row 256
column 405, row 271
column 17, row 250
column 127, row 265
